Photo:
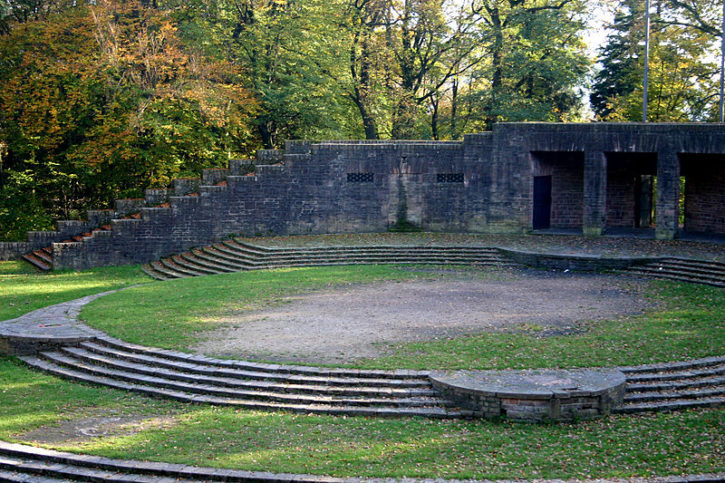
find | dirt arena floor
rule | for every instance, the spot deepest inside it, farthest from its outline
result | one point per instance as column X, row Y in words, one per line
column 347, row 323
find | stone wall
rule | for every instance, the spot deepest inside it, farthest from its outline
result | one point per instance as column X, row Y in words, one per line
column 704, row 193
column 483, row 184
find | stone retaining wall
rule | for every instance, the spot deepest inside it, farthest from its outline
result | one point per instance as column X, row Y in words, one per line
column 483, row 184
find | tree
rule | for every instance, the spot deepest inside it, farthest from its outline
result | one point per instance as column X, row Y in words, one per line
column 682, row 82
column 101, row 101
column 535, row 61
column 289, row 50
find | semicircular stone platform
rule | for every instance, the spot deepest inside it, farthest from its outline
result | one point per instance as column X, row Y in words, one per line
column 534, row 395
column 53, row 340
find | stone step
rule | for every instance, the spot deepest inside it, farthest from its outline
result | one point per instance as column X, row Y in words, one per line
column 202, row 268
column 677, row 375
column 222, row 251
column 342, row 250
column 387, row 257
column 678, row 274
column 169, row 264
column 20, row 476
column 677, row 385
column 679, row 278
column 674, row 366
column 669, row 405
column 238, row 243
column 289, row 369
column 361, row 255
column 708, row 264
column 37, row 262
column 260, row 375
column 264, row 388
column 695, row 268
column 212, row 256
column 45, row 254
column 209, row 386
column 705, row 392
column 194, row 260
column 60, row 371
column 151, row 272
column 161, row 268
column 34, row 470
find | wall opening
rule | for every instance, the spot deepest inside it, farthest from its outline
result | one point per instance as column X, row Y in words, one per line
column 557, row 189
column 631, row 190
column 703, row 203
column 542, row 202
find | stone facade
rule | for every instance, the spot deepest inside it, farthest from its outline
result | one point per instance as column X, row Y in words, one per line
column 483, row 184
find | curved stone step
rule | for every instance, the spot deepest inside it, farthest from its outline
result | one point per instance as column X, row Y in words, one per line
column 259, row 385
column 678, row 375
column 230, row 255
column 163, row 269
column 669, row 405
column 679, row 275
column 250, row 374
column 16, row 469
column 204, row 387
column 203, row 361
column 676, row 385
column 201, row 254
column 171, row 265
column 151, row 272
column 351, row 410
column 674, row 366
column 194, row 260
column 689, row 393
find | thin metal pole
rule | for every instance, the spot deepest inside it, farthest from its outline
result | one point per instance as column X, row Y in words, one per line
column 722, row 65
column 646, row 61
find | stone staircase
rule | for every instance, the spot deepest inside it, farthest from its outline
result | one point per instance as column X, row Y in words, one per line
column 27, row 464
column 672, row 386
column 236, row 255
column 157, row 372
column 684, row 270
column 106, row 223
column 190, row 378
column 42, row 258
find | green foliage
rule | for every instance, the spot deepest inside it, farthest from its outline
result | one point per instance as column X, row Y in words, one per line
column 120, row 104
column 682, row 75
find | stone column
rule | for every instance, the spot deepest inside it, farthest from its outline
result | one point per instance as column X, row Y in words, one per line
column 667, row 212
column 595, row 193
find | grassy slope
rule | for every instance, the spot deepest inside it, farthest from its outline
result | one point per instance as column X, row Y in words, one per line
column 690, row 322
column 22, row 288
column 664, row 444
column 676, row 443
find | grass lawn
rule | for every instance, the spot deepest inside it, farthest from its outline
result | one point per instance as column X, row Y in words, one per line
column 23, row 288
column 55, row 413
column 688, row 323
column 616, row 446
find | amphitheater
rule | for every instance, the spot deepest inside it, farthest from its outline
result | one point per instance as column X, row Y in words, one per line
column 551, row 180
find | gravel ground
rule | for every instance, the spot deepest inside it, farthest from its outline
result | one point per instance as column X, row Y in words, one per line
column 347, row 323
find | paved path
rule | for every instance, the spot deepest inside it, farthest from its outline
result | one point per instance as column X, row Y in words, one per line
column 57, row 323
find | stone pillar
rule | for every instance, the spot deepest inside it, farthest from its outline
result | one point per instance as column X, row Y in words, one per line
column 595, row 193
column 667, row 212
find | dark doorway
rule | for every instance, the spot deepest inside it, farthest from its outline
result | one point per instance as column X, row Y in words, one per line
column 542, row 202
column 643, row 200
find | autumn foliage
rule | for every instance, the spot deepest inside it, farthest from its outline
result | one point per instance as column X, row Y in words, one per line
column 101, row 101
